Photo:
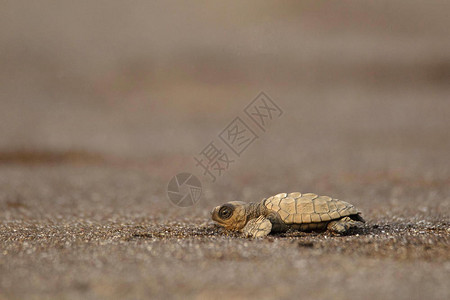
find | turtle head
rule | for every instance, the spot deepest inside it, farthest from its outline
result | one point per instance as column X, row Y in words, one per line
column 231, row 215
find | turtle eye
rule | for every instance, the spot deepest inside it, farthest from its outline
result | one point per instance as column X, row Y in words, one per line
column 226, row 211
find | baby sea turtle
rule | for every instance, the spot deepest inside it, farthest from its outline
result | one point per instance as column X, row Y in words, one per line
column 304, row 212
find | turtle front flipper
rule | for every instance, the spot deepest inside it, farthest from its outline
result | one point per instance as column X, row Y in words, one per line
column 258, row 227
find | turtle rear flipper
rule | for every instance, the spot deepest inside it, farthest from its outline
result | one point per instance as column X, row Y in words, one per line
column 258, row 227
column 341, row 226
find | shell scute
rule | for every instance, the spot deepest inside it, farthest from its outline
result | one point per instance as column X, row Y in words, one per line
column 310, row 196
column 295, row 195
column 315, row 218
column 305, row 205
column 321, row 204
column 334, row 215
column 340, row 205
column 325, row 217
column 298, row 219
column 280, row 195
column 273, row 203
column 288, row 205
column 306, row 218
column 332, row 205
column 287, row 210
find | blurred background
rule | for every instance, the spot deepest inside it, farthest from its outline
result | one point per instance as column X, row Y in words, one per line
column 363, row 85
column 102, row 102
column 159, row 77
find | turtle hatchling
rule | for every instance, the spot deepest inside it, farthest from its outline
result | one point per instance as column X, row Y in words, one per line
column 297, row 211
